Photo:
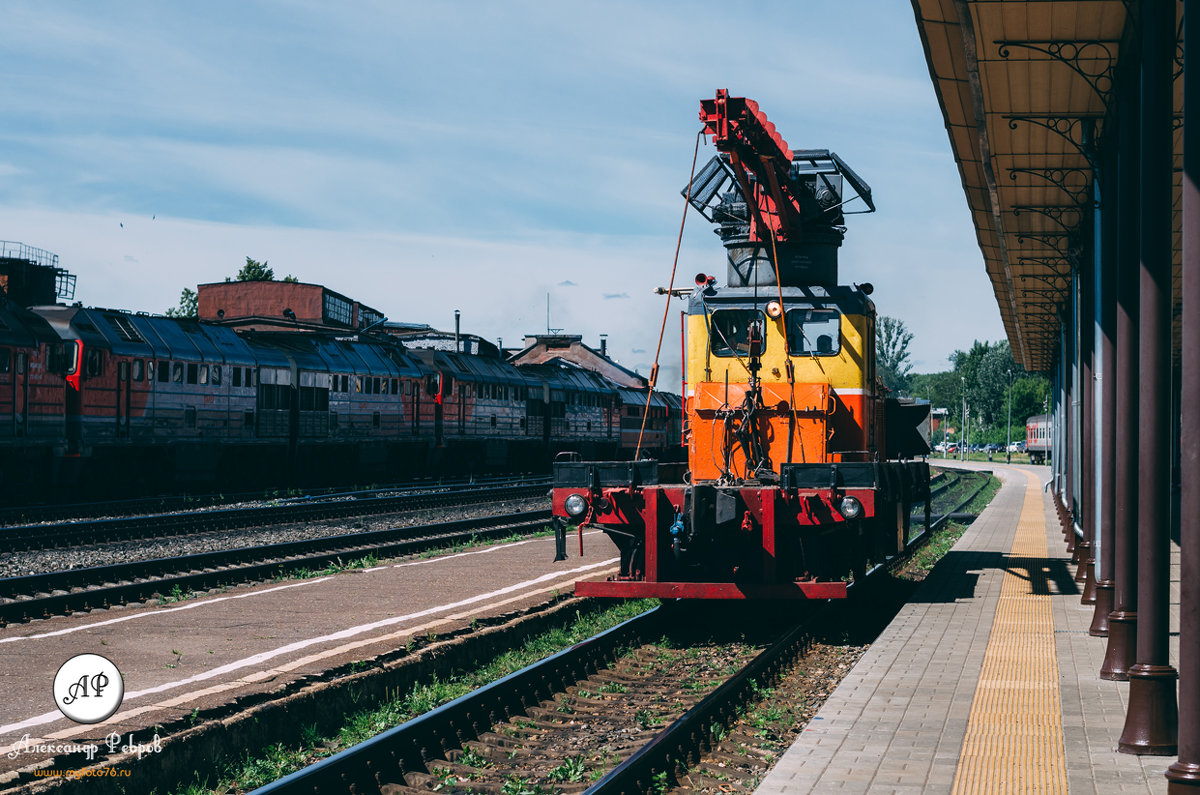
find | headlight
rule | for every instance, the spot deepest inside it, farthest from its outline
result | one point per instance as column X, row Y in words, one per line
column 575, row 504
column 850, row 507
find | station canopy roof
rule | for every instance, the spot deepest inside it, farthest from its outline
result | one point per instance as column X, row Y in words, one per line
column 1024, row 87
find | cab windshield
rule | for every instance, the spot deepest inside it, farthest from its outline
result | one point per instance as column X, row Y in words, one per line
column 814, row 330
column 730, row 331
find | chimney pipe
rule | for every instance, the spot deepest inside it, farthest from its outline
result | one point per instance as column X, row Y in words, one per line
column 457, row 348
column 604, row 345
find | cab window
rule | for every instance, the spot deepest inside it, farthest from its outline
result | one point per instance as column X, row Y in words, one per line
column 814, row 330
column 730, row 331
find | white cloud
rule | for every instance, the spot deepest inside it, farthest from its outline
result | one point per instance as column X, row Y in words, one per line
column 427, row 156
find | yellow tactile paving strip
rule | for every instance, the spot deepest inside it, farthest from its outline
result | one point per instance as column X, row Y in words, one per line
column 1014, row 740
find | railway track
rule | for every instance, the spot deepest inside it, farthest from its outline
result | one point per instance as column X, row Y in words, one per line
column 616, row 713
column 31, row 514
column 613, row 714
column 42, row 595
column 334, row 506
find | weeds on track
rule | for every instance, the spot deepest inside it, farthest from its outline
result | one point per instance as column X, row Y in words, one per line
column 277, row 760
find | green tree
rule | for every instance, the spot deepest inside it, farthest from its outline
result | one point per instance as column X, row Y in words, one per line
column 891, row 353
column 187, row 305
column 255, row 271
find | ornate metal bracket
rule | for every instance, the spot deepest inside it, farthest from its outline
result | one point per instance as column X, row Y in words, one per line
column 1051, row 288
column 1050, row 296
column 1078, row 131
column 1060, row 267
column 1076, row 183
column 1056, row 213
column 1044, row 322
column 1060, row 243
column 1095, row 60
column 1178, row 52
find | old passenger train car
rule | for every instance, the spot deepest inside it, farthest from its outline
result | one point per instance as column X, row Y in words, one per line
column 794, row 484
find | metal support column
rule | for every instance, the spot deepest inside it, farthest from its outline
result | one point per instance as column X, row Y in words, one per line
column 1151, row 719
column 1085, row 573
column 1184, row 774
column 1122, row 622
column 1106, row 413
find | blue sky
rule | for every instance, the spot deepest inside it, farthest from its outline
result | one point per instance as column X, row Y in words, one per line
column 427, row 157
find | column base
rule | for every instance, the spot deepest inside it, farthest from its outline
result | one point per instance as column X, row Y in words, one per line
column 1152, row 721
column 1121, row 651
column 1105, row 594
column 1083, row 551
column 1183, row 777
column 1089, row 583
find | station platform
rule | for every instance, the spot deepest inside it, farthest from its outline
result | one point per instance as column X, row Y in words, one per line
column 184, row 658
column 987, row 681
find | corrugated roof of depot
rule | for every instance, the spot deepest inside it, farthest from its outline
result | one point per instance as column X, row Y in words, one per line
column 1022, row 84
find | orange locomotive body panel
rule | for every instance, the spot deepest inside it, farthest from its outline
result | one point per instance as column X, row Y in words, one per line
column 801, row 412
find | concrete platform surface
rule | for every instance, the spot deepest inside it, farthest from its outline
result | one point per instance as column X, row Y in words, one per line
column 209, row 650
column 902, row 721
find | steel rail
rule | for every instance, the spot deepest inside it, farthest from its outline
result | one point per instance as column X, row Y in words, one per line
column 681, row 743
column 407, row 748
column 49, row 536
column 41, row 595
column 29, row 514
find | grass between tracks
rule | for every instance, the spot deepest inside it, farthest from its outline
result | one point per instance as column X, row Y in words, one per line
column 942, row 540
column 275, row 761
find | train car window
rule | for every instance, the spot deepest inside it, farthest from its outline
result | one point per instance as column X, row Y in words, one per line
column 814, row 331
column 358, row 384
column 377, row 385
column 177, row 372
column 396, row 386
column 385, row 385
column 204, row 373
column 216, row 375
column 5, row 360
column 193, row 372
column 122, row 371
column 237, row 376
column 64, row 358
column 139, row 370
column 94, row 365
column 164, row 372
column 21, row 362
column 730, row 334
column 249, row 381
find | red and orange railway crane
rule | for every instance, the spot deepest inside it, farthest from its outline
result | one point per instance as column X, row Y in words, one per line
column 799, row 475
